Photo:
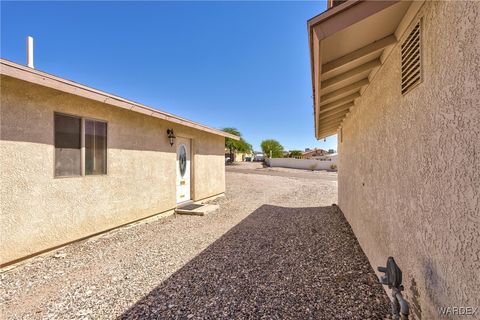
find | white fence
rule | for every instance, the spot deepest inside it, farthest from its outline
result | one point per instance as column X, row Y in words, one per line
column 308, row 164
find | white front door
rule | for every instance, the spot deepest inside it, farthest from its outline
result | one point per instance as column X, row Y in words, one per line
column 183, row 169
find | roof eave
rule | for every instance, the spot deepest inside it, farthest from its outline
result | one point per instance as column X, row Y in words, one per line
column 326, row 24
column 310, row 25
column 14, row 70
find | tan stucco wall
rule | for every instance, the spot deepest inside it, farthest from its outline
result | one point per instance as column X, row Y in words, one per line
column 409, row 166
column 39, row 211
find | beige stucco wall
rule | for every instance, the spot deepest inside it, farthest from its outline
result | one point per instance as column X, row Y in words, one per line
column 409, row 166
column 39, row 211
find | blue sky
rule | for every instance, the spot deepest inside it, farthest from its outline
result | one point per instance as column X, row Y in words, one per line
column 224, row 64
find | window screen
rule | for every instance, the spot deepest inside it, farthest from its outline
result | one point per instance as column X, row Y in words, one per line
column 95, row 147
column 67, row 145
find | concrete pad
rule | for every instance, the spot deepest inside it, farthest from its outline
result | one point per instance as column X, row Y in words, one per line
column 200, row 211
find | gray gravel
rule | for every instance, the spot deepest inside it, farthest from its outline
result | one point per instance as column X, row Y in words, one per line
column 275, row 249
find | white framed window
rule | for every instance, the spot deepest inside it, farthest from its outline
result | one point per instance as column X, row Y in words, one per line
column 80, row 146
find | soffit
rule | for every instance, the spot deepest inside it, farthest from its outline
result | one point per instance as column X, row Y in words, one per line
column 352, row 45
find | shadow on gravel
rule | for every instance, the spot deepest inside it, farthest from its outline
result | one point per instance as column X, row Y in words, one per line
column 297, row 263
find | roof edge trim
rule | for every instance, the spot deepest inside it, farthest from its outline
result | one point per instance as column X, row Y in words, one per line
column 14, row 70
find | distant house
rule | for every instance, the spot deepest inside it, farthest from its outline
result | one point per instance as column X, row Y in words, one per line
column 314, row 153
column 327, row 157
column 247, row 156
column 238, row 156
column 76, row 161
column 398, row 82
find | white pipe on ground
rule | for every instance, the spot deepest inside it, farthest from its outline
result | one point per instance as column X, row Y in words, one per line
column 30, row 52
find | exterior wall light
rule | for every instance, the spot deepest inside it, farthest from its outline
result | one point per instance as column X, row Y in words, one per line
column 171, row 136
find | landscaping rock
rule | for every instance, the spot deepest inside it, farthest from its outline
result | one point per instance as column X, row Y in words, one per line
column 275, row 249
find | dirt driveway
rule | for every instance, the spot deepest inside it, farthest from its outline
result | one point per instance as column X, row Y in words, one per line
column 276, row 248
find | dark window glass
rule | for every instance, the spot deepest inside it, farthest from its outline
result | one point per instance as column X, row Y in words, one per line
column 95, row 147
column 182, row 160
column 67, row 145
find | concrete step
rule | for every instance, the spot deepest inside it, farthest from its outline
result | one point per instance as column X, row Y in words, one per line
column 196, row 209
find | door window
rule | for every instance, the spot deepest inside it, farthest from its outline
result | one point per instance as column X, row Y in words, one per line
column 182, row 160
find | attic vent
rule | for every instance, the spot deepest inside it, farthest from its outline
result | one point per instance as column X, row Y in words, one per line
column 411, row 60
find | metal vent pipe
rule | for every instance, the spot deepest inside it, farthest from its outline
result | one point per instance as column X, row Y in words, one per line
column 30, row 52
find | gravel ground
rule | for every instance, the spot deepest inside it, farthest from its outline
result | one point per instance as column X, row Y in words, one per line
column 274, row 249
